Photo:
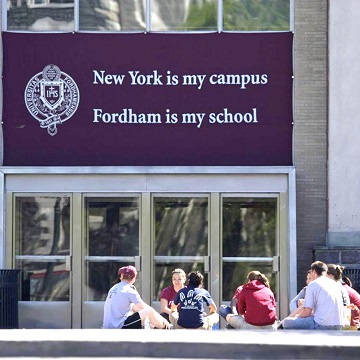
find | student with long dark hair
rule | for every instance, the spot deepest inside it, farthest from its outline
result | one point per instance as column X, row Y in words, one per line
column 190, row 302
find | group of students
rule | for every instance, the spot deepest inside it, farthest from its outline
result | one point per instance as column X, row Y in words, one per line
column 124, row 308
column 320, row 305
column 327, row 302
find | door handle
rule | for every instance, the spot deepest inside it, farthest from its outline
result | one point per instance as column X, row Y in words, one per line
column 206, row 263
column 276, row 264
column 68, row 263
column 138, row 263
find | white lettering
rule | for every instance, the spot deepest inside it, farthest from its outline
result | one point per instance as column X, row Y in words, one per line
column 107, row 79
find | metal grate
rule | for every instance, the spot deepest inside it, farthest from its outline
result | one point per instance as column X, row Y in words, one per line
column 354, row 275
column 9, row 299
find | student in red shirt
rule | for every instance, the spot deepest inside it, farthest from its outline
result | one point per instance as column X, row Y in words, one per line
column 168, row 294
column 256, row 305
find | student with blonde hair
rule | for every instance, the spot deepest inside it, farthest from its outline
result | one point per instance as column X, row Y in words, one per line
column 168, row 294
column 256, row 305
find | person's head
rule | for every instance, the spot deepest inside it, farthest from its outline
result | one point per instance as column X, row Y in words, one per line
column 308, row 277
column 318, row 268
column 178, row 278
column 257, row 275
column 127, row 273
column 346, row 280
column 195, row 279
column 335, row 272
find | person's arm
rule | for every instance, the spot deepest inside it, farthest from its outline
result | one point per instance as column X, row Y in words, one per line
column 241, row 303
column 305, row 313
column 164, row 308
column 212, row 309
column 233, row 304
column 294, row 302
column 139, row 306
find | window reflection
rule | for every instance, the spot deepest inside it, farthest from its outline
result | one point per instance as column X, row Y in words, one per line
column 181, row 229
column 43, row 226
column 112, row 231
column 42, row 230
column 165, row 15
column 44, row 281
column 180, row 15
column 40, row 15
column 263, row 15
column 235, row 274
column 181, row 226
column 249, row 230
column 112, row 15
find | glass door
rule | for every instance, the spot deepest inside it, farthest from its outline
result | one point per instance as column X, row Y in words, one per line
column 249, row 241
column 112, row 234
column 42, row 248
column 181, row 238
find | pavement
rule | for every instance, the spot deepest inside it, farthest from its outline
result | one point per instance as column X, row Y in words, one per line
column 178, row 344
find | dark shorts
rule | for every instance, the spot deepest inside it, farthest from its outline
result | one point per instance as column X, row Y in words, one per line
column 132, row 322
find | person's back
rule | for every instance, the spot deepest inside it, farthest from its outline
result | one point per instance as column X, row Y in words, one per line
column 323, row 307
column 324, row 297
column 191, row 305
column 257, row 304
column 191, row 312
column 118, row 304
column 353, row 295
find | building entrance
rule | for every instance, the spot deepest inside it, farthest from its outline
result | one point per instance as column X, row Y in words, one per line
column 70, row 245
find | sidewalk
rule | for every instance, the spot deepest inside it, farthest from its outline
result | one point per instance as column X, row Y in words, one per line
column 180, row 344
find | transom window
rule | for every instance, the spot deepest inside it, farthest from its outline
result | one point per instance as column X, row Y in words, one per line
column 146, row 15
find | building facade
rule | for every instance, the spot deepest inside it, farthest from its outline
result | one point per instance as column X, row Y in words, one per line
column 169, row 190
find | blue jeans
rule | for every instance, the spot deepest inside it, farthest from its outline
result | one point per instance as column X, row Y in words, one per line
column 306, row 323
column 224, row 311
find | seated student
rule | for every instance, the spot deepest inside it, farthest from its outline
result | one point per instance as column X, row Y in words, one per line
column 354, row 302
column 323, row 307
column 190, row 301
column 256, row 305
column 298, row 300
column 335, row 272
column 168, row 294
column 124, row 308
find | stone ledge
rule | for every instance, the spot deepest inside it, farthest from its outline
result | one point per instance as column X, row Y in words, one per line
column 185, row 344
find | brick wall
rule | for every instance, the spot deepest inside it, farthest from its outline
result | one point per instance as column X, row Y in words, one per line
column 310, row 126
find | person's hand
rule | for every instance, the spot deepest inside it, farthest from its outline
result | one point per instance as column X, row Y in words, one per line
column 301, row 302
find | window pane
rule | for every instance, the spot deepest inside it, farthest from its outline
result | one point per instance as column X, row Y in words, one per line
column 235, row 274
column 249, row 227
column 112, row 15
column 112, row 231
column 44, row 281
column 181, row 229
column 249, row 230
column 180, row 15
column 101, row 276
column 113, row 227
column 256, row 15
column 41, row 15
column 42, row 226
column 42, row 240
column 181, row 226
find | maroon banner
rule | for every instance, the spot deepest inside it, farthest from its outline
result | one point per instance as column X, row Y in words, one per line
column 147, row 99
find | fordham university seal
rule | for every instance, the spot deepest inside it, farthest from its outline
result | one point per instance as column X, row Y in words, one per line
column 51, row 97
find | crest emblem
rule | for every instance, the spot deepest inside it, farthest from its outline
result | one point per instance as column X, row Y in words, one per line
column 51, row 97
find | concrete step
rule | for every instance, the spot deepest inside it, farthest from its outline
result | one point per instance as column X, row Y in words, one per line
column 179, row 344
